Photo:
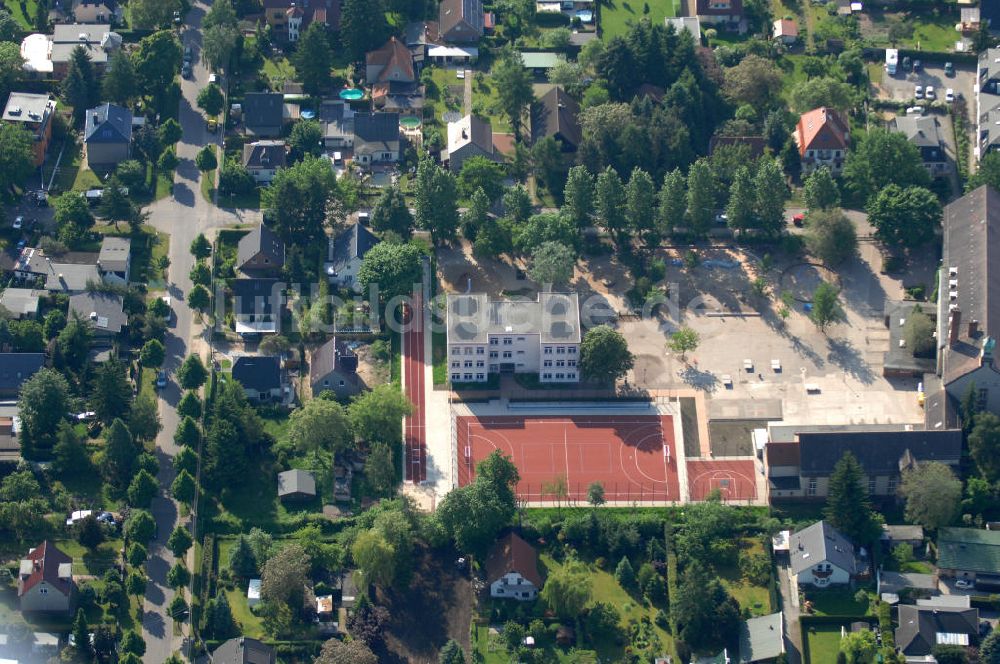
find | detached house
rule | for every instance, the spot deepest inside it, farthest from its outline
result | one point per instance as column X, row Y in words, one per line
column 244, row 650
column 260, row 252
column 469, row 137
column 262, row 159
column 45, row 580
column 334, row 367
column 346, row 252
column 289, row 18
column 376, row 138
column 924, row 132
column 461, row 21
column 260, row 376
column 392, row 62
column 257, row 305
column 15, row 368
column 555, row 115
column 34, row 113
column 921, row 628
column 972, row 554
column 820, row 556
column 822, row 136
column 263, row 113
column 103, row 312
column 721, row 14
column 107, row 135
column 115, row 260
column 295, row 485
column 512, row 569
column 97, row 11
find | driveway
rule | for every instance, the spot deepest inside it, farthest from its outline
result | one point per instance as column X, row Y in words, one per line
column 790, row 614
column 183, row 215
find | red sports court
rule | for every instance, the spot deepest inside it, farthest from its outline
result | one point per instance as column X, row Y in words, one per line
column 633, row 456
column 413, row 366
column 734, row 479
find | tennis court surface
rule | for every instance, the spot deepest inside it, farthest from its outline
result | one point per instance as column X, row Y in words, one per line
column 633, row 456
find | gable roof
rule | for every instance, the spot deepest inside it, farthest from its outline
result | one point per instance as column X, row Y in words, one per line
column 353, row 242
column 331, row 356
column 258, row 372
column 47, row 563
column 922, row 131
column 114, row 253
column 821, row 129
column 878, row 452
column 15, row 368
column 103, row 311
column 392, row 54
column 264, row 154
column 243, row 650
column 785, row 27
column 112, row 5
column 108, row 123
column 375, row 128
column 263, row 109
column 716, row 8
column 255, row 296
column 923, row 627
column 556, row 115
column 453, row 14
column 818, row 543
column 969, row 549
column 470, row 130
column 762, row 638
column 261, row 240
column 512, row 554
column 296, row 481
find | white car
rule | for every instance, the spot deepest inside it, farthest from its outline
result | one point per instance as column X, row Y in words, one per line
column 213, row 78
column 964, row 584
column 460, row 73
column 949, row 95
column 918, row 92
column 18, row 222
column 929, row 92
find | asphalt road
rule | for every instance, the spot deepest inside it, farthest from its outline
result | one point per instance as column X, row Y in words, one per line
column 183, row 215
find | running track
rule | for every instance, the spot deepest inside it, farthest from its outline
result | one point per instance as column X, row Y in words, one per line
column 415, row 464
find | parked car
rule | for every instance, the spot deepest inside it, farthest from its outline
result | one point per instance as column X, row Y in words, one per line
column 177, row 18
column 213, row 78
column 949, row 95
column 907, row 63
column 18, row 223
column 929, row 92
column 186, row 70
column 917, row 65
column 915, row 110
column 949, row 69
column 918, row 92
column 799, row 220
column 460, row 73
column 964, row 584
column 188, row 54
column 161, row 380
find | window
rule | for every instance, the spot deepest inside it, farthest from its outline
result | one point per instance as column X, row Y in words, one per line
column 570, row 363
column 559, row 375
column 468, row 350
column 456, row 351
column 871, row 485
column 812, row 486
column 560, row 350
column 571, row 375
column 468, row 364
column 456, row 365
column 507, row 341
column 499, row 590
column 981, row 399
column 43, row 590
column 326, row 383
column 342, row 383
column 547, row 363
column 480, row 350
column 571, row 350
column 468, row 376
column 480, row 376
column 560, row 363
column 480, row 364
column 456, row 376
column 494, row 367
column 520, row 352
column 547, row 350
column 520, row 338
column 494, row 341
column 494, row 354
column 507, row 354
column 546, row 376
column 892, row 485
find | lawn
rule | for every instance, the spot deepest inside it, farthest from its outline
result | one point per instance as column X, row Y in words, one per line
column 836, row 602
column 440, row 97
column 23, row 12
column 85, row 561
column 486, row 102
column 69, row 167
column 251, row 625
column 617, row 15
column 492, row 649
column 822, row 642
column 931, row 32
column 278, row 70
column 439, row 350
column 753, row 598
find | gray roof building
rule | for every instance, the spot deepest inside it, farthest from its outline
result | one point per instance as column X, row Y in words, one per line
column 555, row 115
column 923, row 132
column 264, row 154
column 263, row 112
column 353, row 242
column 108, row 123
column 243, row 650
column 98, row 40
column 555, row 317
column 923, row 627
column 762, row 639
column 21, row 302
column 15, row 368
column 261, row 373
column 27, row 107
column 296, row 482
column 260, row 249
column 376, row 132
column 104, row 311
column 115, row 252
column 902, row 533
column 896, row 582
column 879, row 453
column 337, row 119
column 333, row 356
column 820, row 542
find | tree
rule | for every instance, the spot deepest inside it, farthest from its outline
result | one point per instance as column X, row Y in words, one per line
column 189, row 405
column 950, row 654
column 640, row 197
column 69, row 455
column 218, row 44
column 201, row 274
column 578, row 196
column 672, row 202
column 375, row 558
column 135, row 583
column 200, row 247
column 375, row 415
column 624, row 574
column 17, row 156
column 987, row 173
column 826, row 307
column 705, row 612
column 879, row 158
column 451, row 653
column 180, row 541
column 830, row 235
column 10, row 29
column 604, row 355
column 552, row 264
column 517, row 204
column 142, row 489
column 907, row 217
column 984, row 445
column 568, row 589
column 478, row 172
column 336, row 651
column 848, row 508
column 170, row 132
column 595, row 494
column 79, row 87
column 363, row 26
column 187, row 433
column 771, row 192
column 513, row 636
column 206, row 160
column 111, row 396
column 192, row 374
column 152, row 354
column 858, row 647
column 151, row 14
column 299, row 199
column 823, row 91
column 610, row 204
column 81, row 635
column 183, row 487
column 742, row 199
column 73, row 345
column 821, row 190
column 55, row 321
column 73, row 217
column 700, row 197
column 137, row 554
column 320, row 425
column 211, row 100
column 120, row 83
column 755, row 81
column 89, row 532
column 242, row 562
column 42, row 405
column 989, row 649
column 683, row 341
column 178, row 607
column 933, row 495
column 475, row 513
column 220, row 617
column 313, row 57
column 306, row 139
column 392, row 214
column 918, row 332
column 394, row 267
column 513, row 84
column 284, row 575
column 178, row 576
column 380, row 469
column 157, row 60
column 139, row 526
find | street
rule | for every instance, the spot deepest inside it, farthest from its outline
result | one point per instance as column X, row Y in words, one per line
column 183, row 215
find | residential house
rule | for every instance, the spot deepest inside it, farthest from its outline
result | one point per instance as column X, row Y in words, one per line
column 988, row 102
column 910, row 583
column 555, row 114
column 719, row 14
column 762, row 639
column 260, row 252
column 539, row 63
column 263, row 113
column 921, row 628
column 392, row 62
column 376, row 138
column 447, row 55
column 48, row 56
column 10, row 447
column 469, row 137
column 97, row 11
column 346, row 252
column 104, row 313
column 32, row 265
column 257, row 305
column 15, row 368
column 968, row 307
column 115, row 260
column 785, row 30
column 398, row 97
column 799, row 459
column 262, row 159
column 244, row 650
column 461, row 21
column 334, row 367
column 820, row 556
column 289, row 18
column 506, row 336
column 260, row 376
column 107, row 135
column 33, row 112
column 512, row 569
column 295, row 485
column 691, row 24
column 20, row 302
column 337, row 119
column 924, row 132
column 893, row 536
column 970, row 553
column 822, row 137
column 45, row 581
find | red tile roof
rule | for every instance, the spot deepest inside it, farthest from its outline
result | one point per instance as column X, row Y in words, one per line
column 513, row 554
column 46, row 559
column 821, row 129
column 392, row 54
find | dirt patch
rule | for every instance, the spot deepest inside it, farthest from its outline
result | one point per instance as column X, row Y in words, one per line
column 733, row 437
column 371, row 370
column 436, row 606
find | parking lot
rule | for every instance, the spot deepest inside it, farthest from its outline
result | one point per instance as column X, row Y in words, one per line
column 902, row 86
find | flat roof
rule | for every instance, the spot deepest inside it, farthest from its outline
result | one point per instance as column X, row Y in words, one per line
column 555, row 317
